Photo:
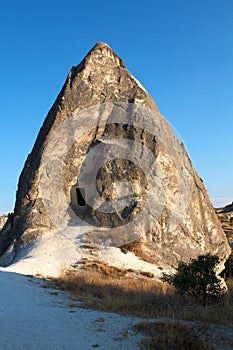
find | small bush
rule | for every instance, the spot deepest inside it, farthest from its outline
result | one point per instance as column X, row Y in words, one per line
column 222, row 218
column 197, row 278
column 231, row 221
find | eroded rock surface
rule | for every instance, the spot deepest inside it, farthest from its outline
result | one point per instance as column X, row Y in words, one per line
column 102, row 86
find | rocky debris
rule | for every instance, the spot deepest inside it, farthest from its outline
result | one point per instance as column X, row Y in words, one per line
column 90, row 111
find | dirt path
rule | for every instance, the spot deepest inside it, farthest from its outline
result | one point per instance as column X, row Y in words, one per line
column 33, row 317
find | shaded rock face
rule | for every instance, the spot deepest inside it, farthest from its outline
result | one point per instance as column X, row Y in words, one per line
column 228, row 208
column 123, row 187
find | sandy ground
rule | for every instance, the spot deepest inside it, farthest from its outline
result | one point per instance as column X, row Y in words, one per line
column 33, row 317
column 53, row 252
column 36, row 318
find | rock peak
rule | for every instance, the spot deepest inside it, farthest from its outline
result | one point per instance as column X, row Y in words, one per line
column 100, row 55
column 102, row 69
column 101, row 44
column 102, row 51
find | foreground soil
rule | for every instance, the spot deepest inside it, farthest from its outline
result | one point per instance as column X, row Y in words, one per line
column 168, row 321
column 34, row 316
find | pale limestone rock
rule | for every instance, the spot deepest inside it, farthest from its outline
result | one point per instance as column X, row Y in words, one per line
column 102, row 80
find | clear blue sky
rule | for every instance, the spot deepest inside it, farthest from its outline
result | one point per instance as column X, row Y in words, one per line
column 181, row 50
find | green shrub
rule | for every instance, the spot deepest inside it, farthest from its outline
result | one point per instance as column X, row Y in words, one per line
column 197, row 278
column 231, row 221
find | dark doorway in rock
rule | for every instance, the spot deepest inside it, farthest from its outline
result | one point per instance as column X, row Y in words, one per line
column 80, row 195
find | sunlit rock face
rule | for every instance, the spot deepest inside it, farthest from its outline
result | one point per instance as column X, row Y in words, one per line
column 106, row 170
column 3, row 220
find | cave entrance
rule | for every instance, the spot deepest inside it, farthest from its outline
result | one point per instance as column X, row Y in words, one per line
column 80, row 197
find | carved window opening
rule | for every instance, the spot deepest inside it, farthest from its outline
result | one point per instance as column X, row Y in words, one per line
column 80, row 195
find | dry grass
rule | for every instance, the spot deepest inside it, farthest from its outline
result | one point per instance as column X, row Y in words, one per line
column 171, row 335
column 112, row 289
column 107, row 288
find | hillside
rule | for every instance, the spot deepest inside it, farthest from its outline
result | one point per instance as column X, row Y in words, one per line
column 225, row 215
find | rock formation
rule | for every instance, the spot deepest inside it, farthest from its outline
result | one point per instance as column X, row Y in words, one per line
column 225, row 216
column 3, row 220
column 147, row 199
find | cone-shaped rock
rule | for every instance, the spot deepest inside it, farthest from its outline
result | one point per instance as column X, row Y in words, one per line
column 107, row 171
